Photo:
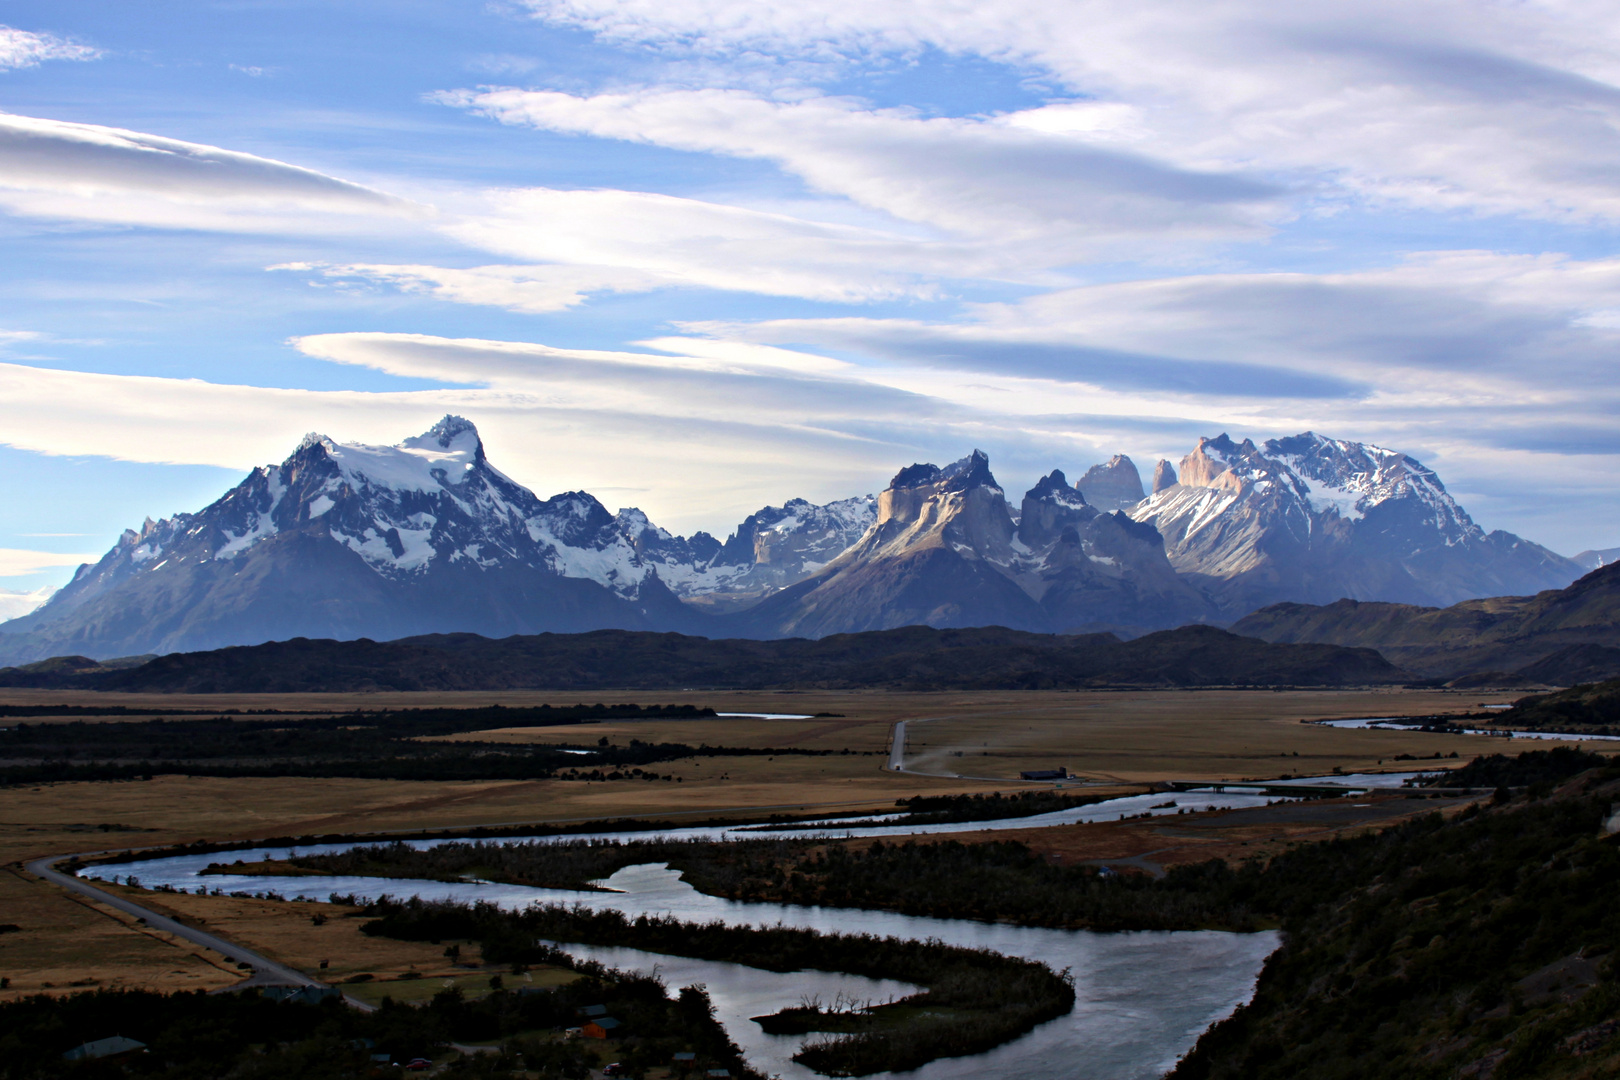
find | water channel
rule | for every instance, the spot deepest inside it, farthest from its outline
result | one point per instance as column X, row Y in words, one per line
column 1142, row 998
column 1390, row 723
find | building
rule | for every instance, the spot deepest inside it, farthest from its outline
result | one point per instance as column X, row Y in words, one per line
column 603, row 1027
column 1059, row 773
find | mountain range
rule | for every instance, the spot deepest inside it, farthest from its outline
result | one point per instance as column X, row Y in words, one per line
column 344, row 540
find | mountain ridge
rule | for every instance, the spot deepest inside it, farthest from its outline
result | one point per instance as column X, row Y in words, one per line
column 1310, row 519
column 427, row 535
column 908, row 658
column 1510, row 634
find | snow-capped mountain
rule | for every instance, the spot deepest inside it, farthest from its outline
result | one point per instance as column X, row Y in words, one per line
column 1313, row 519
column 944, row 551
column 15, row 603
column 1595, row 558
column 348, row 540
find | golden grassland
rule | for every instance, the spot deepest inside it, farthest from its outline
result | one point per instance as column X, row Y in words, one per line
column 1115, row 738
column 67, row 943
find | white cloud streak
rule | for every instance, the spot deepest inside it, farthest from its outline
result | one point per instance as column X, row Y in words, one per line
column 22, row 49
column 975, row 178
column 706, row 244
column 1500, row 108
column 15, row 562
column 529, row 289
column 57, row 169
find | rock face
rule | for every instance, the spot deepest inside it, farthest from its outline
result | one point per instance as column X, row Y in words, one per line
column 1164, row 475
column 944, row 552
column 1311, row 519
column 1113, row 485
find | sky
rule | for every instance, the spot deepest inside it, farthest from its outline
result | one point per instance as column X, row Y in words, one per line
column 700, row 256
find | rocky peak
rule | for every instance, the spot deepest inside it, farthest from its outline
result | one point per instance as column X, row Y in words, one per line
column 1164, row 476
column 451, row 428
column 971, row 472
column 575, row 518
column 1113, row 485
column 1054, row 488
column 912, row 476
column 1201, row 468
column 1048, row 507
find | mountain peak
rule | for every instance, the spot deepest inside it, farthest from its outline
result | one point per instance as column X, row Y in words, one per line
column 1114, row 485
column 1164, row 476
column 447, row 430
column 920, row 474
column 1054, row 488
column 971, row 472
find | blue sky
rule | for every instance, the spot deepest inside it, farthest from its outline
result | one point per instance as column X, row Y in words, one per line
column 701, row 255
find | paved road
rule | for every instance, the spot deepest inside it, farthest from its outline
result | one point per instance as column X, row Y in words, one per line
column 897, row 763
column 266, row 972
column 897, row 747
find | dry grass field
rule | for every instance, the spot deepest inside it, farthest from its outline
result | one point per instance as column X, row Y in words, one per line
column 66, row 943
column 1113, row 737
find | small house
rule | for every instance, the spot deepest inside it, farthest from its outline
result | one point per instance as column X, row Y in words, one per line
column 591, row 1010
column 718, row 1074
column 300, row 995
column 1059, row 773
column 103, row 1048
column 603, row 1027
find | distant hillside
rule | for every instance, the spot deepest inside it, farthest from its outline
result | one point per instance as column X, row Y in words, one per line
column 910, row 658
column 1591, row 707
column 1560, row 636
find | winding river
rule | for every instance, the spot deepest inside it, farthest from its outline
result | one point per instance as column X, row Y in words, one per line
column 1142, row 998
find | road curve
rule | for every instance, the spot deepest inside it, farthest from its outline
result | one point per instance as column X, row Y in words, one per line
column 266, row 972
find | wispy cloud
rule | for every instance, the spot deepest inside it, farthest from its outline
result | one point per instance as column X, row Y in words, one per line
column 22, row 49
column 528, row 289
column 15, row 562
column 970, row 177
column 1396, row 103
column 53, row 168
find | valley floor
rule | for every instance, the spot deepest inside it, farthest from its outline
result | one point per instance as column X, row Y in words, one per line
column 1114, row 740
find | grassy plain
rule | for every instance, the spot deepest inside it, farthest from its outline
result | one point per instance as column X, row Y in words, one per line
column 1113, row 737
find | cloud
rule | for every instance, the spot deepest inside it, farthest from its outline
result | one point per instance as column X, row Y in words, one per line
column 727, row 384
column 707, row 244
column 1503, row 108
column 53, row 168
column 971, row 177
column 21, row 49
column 721, row 434
column 527, row 289
column 1467, row 314
column 15, row 562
